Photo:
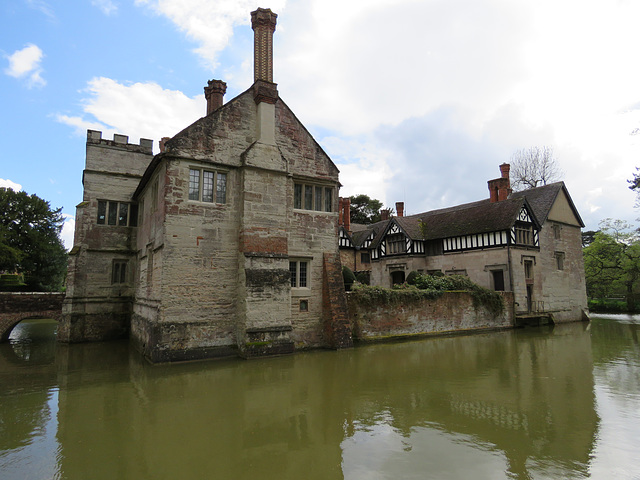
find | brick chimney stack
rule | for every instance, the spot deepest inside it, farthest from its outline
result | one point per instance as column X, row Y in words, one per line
column 214, row 93
column 265, row 92
column 263, row 23
column 340, row 211
column 384, row 214
column 500, row 188
column 400, row 209
column 346, row 214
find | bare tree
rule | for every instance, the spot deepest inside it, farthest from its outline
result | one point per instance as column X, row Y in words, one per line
column 533, row 167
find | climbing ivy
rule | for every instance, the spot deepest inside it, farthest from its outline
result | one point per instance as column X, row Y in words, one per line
column 430, row 287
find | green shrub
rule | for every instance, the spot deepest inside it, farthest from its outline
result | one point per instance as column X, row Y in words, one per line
column 348, row 277
column 607, row 305
column 411, row 278
column 431, row 287
column 364, row 278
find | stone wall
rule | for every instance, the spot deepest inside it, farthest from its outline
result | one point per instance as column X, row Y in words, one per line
column 453, row 312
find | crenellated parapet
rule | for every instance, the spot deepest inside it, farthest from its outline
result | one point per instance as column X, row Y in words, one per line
column 94, row 137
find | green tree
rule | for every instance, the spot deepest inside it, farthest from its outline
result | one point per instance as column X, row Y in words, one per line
column 30, row 240
column 365, row 210
column 612, row 261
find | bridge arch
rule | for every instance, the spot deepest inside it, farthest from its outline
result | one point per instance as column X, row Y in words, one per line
column 16, row 307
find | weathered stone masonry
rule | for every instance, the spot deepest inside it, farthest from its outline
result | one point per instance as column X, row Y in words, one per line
column 235, row 245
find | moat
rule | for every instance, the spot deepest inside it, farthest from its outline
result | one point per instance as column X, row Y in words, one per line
column 534, row 403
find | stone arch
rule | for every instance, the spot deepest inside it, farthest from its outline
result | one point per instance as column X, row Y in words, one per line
column 8, row 322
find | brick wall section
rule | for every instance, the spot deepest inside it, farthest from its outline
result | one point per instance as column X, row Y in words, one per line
column 337, row 325
column 15, row 307
column 453, row 312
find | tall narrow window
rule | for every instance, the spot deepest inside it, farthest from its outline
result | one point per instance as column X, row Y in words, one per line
column 113, row 213
column 123, row 214
column 207, row 186
column 297, row 196
column 221, row 188
column 194, row 184
column 327, row 199
column 102, row 212
column 559, row 260
column 318, row 200
column 498, row 280
column 298, row 271
column 119, row 272
column 308, row 197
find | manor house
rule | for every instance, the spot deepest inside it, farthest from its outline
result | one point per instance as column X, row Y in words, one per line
column 224, row 243
column 526, row 242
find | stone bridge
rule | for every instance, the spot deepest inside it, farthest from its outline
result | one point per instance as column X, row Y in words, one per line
column 15, row 307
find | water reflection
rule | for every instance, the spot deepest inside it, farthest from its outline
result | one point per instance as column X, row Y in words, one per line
column 518, row 404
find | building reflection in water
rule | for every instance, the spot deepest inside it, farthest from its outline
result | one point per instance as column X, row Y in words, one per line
column 515, row 402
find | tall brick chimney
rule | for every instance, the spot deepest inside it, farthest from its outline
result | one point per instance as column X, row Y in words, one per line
column 500, row 188
column 265, row 92
column 263, row 23
column 340, row 211
column 400, row 209
column 346, row 214
column 214, row 93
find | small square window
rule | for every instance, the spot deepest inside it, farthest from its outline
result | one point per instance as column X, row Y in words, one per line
column 304, row 305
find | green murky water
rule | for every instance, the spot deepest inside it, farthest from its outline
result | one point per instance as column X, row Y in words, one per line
column 526, row 404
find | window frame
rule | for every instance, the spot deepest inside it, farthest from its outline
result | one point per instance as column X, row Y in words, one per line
column 211, row 185
column 119, row 272
column 313, row 197
column 110, row 213
column 296, row 272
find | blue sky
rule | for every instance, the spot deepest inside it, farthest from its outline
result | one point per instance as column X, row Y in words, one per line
column 414, row 101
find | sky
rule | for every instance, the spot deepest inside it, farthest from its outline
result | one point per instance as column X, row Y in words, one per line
column 417, row 101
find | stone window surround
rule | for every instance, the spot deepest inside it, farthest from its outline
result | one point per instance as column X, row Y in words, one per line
column 301, row 202
column 105, row 216
column 119, row 273
column 559, row 257
column 296, row 262
column 218, row 195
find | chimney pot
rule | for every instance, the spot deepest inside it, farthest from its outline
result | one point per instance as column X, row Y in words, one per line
column 400, row 209
column 214, row 93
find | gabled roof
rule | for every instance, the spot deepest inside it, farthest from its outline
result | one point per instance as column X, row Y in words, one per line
column 543, row 198
column 467, row 219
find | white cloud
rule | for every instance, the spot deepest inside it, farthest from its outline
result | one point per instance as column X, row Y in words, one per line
column 143, row 110
column 106, row 6
column 43, row 7
column 25, row 63
column 68, row 229
column 9, row 184
column 208, row 23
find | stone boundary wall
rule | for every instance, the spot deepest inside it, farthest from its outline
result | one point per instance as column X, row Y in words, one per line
column 15, row 307
column 453, row 312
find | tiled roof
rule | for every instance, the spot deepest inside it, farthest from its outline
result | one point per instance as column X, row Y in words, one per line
column 476, row 217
